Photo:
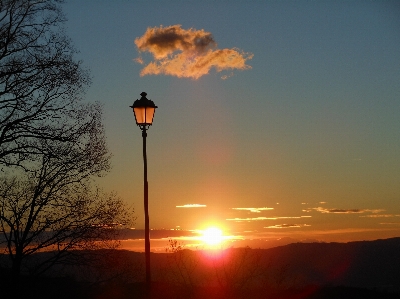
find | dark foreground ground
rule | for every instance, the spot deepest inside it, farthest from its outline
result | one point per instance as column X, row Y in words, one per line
column 367, row 270
column 69, row 289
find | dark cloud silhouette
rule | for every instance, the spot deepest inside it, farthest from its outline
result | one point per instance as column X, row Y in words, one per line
column 187, row 53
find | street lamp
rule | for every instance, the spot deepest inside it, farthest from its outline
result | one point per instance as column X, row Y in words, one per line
column 144, row 112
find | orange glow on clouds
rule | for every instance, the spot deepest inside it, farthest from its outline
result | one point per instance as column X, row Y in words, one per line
column 343, row 211
column 287, row 225
column 192, row 206
column 253, row 210
column 265, row 218
column 186, row 53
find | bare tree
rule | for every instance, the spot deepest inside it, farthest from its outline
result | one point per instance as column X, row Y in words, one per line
column 40, row 82
column 51, row 143
column 58, row 212
column 52, row 206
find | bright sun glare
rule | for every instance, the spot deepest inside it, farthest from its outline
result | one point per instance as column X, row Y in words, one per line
column 212, row 236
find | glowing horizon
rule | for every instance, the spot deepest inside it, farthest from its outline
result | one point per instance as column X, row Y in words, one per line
column 275, row 128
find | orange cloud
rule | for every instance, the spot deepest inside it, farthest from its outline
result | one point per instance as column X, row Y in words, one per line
column 187, row 53
column 253, row 210
column 192, row 206
column 264, row 218
column 380, row 216
column 251, row 219
column 287, row 225
column 343, row 211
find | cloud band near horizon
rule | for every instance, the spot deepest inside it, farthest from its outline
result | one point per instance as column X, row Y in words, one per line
column 186, row 53
column 192, row 206
column 343, row 211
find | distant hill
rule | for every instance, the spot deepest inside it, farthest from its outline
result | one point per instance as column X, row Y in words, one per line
column 366, row 269
column 365, row 264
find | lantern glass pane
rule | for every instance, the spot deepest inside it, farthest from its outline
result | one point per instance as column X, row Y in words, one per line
column 139, row 114
column 149, row 115
column 144, row 115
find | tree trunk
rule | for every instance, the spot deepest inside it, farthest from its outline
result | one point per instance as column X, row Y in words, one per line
column 16, row 264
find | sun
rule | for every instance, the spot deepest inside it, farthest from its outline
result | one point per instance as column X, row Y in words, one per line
column 212, row 236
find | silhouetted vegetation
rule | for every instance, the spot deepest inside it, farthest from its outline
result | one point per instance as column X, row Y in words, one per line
column 52, row 145
column 41, row 84
column 233, row 273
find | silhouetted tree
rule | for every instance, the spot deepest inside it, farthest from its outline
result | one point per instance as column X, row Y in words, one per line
column 41, row 83
column 55, row 209
column 51, row 143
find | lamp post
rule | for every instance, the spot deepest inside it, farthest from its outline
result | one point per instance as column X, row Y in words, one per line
column 143, row 110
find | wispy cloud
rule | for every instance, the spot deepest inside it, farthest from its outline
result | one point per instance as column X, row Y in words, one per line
column 348, row 231
column 253, row 210
column 264, row 218
column 287, row 225
column 380, row 216
column 342, row 211
column 293, row 217
column 251, row 219
column 195, row 205
column 186, row 53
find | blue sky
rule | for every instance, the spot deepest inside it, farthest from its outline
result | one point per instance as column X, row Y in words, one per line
column 312, row 129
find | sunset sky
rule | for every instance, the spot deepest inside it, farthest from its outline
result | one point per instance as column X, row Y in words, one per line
column 275, row 118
